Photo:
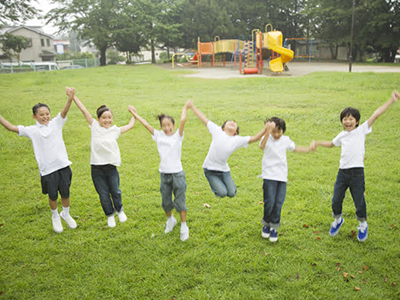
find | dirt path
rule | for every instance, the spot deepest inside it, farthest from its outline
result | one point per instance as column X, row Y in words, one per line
column 295, row 69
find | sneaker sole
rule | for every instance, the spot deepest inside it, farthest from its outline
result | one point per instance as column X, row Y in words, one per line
column 273, row 240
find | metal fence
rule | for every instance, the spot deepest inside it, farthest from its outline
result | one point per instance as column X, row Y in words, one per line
column 31, row 66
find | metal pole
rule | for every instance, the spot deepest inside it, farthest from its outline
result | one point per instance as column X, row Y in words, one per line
column 352, row 35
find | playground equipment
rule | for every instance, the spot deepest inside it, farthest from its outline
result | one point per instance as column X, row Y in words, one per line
column 193, row 60
column 249, row 53
column 273, row 40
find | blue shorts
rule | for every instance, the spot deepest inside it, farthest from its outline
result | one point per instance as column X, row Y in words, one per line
column 58, row 181
column 174, row 183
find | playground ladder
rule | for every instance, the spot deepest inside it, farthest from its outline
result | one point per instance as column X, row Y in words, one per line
column 250, row 62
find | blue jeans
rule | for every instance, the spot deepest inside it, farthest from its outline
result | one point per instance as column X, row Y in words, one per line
column 221, row 183
column 354, row 179
column 173, row 183
column 274, row 196
column 106, row 182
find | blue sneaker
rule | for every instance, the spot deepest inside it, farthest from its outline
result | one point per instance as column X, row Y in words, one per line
column 273, row 237
column 335, row 227
column 362, row 232
column 265, row 232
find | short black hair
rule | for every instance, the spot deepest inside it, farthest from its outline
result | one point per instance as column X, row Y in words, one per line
column 37, row 106
column 163, row 116
column 350, row 111
column 279, row 123
column 223, row 125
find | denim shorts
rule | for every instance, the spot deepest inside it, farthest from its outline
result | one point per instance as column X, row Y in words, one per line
column 173, row 183
column 58, row 181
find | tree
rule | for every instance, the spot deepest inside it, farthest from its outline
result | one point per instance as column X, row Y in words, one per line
column 17, row 10
column 158, row 22
column 128, row 35
column 12, row 45
column 93, row 20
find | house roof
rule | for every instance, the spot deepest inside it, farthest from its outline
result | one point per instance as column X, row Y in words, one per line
column 37, row 29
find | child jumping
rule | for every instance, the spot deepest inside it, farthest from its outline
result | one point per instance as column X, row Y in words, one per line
column 105, row 157
column 51, row 156
column 225, row 140
column 169, row 145
column 351, row 169
column 274, row 174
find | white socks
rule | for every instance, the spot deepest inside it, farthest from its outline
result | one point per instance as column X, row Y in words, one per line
column 54, row 213
column 66, row 211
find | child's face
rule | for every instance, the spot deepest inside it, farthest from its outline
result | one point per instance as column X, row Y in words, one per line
column 276, row 133
column 230, row 128
column 42, row 115
column 167, row 126
column 106, row 119
column 349, row 123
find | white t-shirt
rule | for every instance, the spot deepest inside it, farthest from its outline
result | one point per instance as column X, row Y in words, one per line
column 169, row 149
column 353, row 146
column 48, row 144
column 222, row 146
column 274, row 162
column 104, row 146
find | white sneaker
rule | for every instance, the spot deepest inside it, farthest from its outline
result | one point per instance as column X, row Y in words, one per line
column 111, row 221
column 184, row 233
column 122, row 217
column 69, row 220
column 171, row 222
column 57, row 226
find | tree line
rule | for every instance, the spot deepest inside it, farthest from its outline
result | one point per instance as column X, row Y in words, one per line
column 131, row 25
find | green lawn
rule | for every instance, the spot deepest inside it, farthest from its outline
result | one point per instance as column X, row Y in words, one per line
column 225, row 257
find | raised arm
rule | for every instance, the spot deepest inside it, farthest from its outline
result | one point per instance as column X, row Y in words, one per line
column 8, row 125
column 258, row 136
column 70, row 93
column 128, row 126
column 184, row 116
column 83, row 109
column 133, row 111
column 199, row 114
column 394, row 98
column 269, row 126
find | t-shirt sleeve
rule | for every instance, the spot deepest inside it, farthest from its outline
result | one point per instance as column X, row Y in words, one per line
column 155, row 135
column 291, row 145
column 60, row 120
column 23, row 131
column 242, row 141
column 212, row 127
column 337, row 141
column 117, row 131
column 365, row 129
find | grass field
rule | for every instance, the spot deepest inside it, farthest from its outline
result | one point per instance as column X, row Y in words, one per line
column 225, row 257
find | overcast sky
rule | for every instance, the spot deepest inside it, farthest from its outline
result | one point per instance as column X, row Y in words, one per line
column 45, row 6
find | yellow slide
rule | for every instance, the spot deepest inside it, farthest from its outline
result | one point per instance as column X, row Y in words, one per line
column 274, row 42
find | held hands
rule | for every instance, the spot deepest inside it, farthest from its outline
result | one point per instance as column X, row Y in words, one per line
column 270, row 125
column 132, row 110
column 313, row 146
column 70, row 92
column 395, row 96
column 188, row 104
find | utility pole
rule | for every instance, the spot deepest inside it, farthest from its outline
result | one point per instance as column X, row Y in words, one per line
column 352, row 36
